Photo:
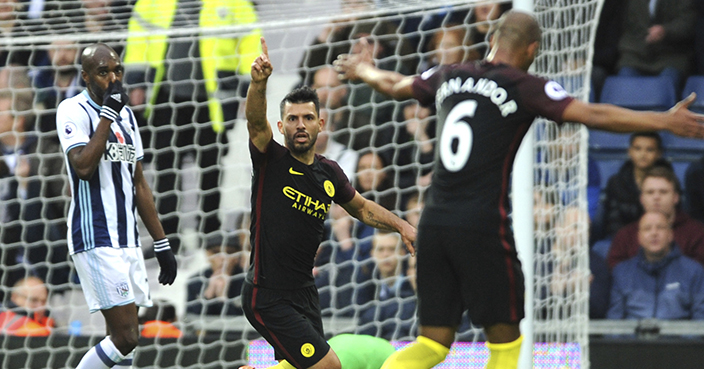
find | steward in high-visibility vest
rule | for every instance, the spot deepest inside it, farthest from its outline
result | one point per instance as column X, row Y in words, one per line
column 220, row 53
column 184, row 59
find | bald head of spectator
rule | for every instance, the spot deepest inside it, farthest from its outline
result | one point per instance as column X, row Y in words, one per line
column 30, row 294
column 655, row 235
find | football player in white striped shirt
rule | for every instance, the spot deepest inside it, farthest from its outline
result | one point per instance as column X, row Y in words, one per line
column 100, row 138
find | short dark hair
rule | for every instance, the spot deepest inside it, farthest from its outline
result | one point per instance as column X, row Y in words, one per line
column 301, row 95
column 654, row 135
column 665, row 173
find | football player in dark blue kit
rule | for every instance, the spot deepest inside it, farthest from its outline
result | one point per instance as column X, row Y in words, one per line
column 467, row 259
column 292, row 190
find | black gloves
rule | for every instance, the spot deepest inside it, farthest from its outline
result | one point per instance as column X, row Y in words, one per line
column 114, row 100
column 167, row 261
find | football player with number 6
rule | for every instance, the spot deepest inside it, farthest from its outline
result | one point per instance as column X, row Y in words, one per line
column 467, row 258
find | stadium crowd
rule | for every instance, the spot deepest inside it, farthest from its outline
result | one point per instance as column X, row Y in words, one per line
column 385, row 148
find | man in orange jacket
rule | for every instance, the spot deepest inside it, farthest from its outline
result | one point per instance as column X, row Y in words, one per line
column 158, row 321
column 26, row 314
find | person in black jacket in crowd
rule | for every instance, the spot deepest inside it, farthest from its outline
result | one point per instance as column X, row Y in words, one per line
column 622, row 202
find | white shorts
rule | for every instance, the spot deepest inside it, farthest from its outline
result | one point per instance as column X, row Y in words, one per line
column 112, row 277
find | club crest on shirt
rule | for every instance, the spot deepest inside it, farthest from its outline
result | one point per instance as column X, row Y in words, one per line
column 307, row 350
column 69, row 130
column 123, row 289
column 329, row 188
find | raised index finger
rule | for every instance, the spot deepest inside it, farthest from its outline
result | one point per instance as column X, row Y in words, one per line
column 265, row 49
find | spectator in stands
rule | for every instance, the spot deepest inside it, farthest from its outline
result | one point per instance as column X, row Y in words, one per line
column 659, row 282
column 32, row 204
column 56, row 79
column 450, row 44
column 699, row 37
column 483, row 17
column 373, row 180
column 12, row 24
column 657, row 39
column 352, row 238
column 337, row 38
column 558, row 259
column 332, row 94
column 158, row 321
column 694, row 189
column 608, row 33
column 26, row 314
column 414, row 207
column 622, row 194
column 390, row 316
column 195, row 88
column 370, row 113
column 415, row 148
column 216, row 289
column 327, row 146
column 660, row 192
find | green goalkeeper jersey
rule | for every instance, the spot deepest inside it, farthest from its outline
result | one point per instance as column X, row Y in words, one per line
column 360, row 351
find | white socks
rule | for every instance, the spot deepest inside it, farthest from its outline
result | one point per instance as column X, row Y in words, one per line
column 104, row 355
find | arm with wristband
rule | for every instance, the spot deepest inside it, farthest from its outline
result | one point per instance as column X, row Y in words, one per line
column 147, row 211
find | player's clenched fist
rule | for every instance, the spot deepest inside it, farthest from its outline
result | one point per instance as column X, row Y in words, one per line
column 261, row 67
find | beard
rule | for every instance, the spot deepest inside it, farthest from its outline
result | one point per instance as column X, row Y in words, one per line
column 298, row 147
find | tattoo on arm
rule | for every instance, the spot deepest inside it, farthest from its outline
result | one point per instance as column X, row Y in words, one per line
column 377, row 223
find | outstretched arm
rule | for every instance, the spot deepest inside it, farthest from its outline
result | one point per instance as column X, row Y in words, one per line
column 360, row 67
column 678, row 120
column 375, row 215
column 255, row 109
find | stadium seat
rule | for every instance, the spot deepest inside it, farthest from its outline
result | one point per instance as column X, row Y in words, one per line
column 639, row 93
column 695, row 84
column 602, row 247
column 675, row 145
column 607, row 168
column 680, row 169
column 607, row 141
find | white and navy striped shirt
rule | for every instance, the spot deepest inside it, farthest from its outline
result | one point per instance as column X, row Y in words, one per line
column 102, row 211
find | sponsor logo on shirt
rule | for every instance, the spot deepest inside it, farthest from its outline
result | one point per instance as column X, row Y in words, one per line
column 120, row 152
column 672, row 286
column 313, row 207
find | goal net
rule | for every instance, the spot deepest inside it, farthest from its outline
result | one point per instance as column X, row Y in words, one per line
column 189, row 110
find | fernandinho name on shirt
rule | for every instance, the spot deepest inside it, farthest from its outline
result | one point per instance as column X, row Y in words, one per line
column 306, row 204
column 483, row 86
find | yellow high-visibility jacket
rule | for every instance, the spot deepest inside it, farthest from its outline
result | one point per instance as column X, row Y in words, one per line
column 147, row 43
